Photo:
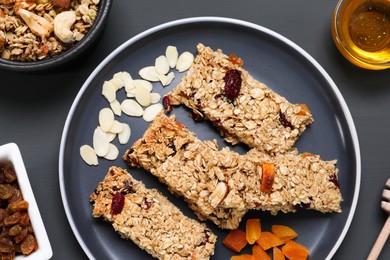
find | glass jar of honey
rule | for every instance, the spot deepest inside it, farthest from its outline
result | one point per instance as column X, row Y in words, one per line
column 361, row 32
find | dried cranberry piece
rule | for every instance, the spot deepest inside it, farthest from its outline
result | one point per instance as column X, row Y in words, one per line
column 333, row 178
column 118, row 201
column 148, row 204
column 166, row 101
column 233, row 83
column 283, row 120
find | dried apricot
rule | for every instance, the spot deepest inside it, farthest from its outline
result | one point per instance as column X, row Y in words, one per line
column 268, row 240
column 259, row 253
column 295, row 251
column 235, row 240
column 284, row 233
column 253, row 230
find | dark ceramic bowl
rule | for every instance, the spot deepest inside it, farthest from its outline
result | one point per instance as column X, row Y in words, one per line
column 70, row 55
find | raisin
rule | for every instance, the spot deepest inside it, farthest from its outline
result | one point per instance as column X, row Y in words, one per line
column 6, row 245
column 283, row 120
column 22, row 235
column 25, row 220
column 127, row 188
column 118, row 201
column 167, row 103
column 9, row 174
column 333, row 178
column 15, row 230
column 12, row 219
column 28, row 245
column 18, row 206
column 233, row 83
column 6, row 191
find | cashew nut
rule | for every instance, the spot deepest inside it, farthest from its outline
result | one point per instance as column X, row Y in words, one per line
column 38, row 25
column 62, row 24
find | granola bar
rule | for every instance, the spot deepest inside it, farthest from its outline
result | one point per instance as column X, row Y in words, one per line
column 258, row 116
column 222, row 185
column 149, row 219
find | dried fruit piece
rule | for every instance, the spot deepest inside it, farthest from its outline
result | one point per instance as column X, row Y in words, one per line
column 124, row 136
column 233, row 83
column 161, row 64
column 149, row 73
column 278, row 254
column 100, row 142
column 267, row 179
column 117, row 203
column 304, row 110
column 131, row 107
column 294, row 250
column 235, row 240
column 142, row 95
column 167, row 103
column 184, row 61
column 268, row 240
column 172, row 55
column 233, row 58
column 253, row 230
column 242, row 257
column 152, row 111
column 259, row 253
column 18, row 206
column 106, row 119
column 219, row 194
column 28, row 245
column 283, row 232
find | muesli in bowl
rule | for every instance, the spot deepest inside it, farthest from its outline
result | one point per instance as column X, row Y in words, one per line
column 40, row 34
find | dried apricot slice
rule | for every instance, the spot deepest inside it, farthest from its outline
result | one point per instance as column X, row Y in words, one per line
column 295, row 251
column 235, row 240
column 242, row 257
column 267, row 179
column 259, row 253
column 253, row 230
column 278, row 254
column 283, row 232
column 268, row 240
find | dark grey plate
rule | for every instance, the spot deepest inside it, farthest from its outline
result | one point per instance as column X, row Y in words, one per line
column 270, row 58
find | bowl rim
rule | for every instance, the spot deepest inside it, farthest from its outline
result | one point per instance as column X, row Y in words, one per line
column 54, row 62
column 10, row 153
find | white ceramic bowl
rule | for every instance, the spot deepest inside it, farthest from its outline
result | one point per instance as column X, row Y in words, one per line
column 10, row 153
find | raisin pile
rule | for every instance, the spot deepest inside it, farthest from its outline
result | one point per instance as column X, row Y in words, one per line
column 16, row 233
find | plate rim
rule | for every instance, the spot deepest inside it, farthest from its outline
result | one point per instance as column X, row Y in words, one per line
column 232, row 21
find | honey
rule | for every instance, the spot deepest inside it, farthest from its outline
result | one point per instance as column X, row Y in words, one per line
column 361, row 30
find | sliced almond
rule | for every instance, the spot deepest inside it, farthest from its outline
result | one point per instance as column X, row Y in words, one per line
column 149, row 73
column 161, row 65
column 124, row 136
column 142, row 95
column 184, row 61
column 116, row 127
column 116, row 107
column 88, row 154
column 131, row 107
column 110, row 136
column 117, row 82
column 172, row 54
column 219, row 194
column 152, row 111
column 113, row 152
column 155, row 97
column 106, row 119
column 143, row 83
column 166, row 79
column 127, row 80
column 109, row 91
column 100, row 142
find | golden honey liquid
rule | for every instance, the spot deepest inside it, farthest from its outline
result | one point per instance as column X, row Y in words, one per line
column 365, row 28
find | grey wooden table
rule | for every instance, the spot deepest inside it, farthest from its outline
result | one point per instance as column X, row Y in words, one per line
column 33, row 108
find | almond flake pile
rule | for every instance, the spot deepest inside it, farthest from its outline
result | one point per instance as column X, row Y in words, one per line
column 140, row 101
